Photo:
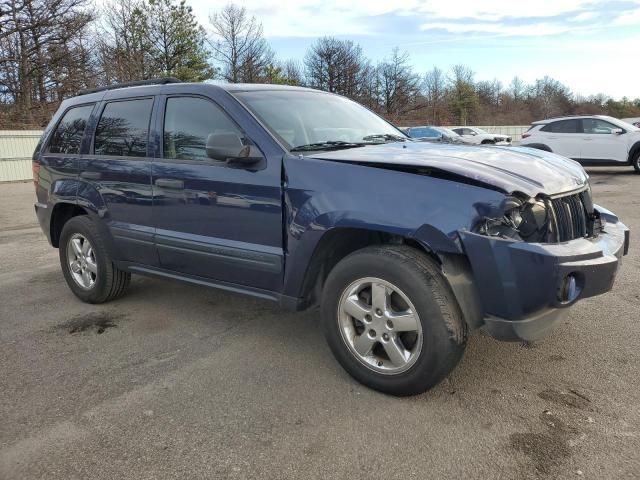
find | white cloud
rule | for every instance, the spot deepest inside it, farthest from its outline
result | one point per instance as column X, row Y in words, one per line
column 535, row 30
column 312, row 18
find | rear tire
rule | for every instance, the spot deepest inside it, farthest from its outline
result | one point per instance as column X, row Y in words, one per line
column 87, row 267
column 366, row 343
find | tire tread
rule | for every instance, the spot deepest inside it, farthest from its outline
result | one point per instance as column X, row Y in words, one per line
column 447, row 337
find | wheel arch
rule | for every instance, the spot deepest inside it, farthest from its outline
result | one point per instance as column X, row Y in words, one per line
column 62, row 212
column 335, row 244
column 633, row 151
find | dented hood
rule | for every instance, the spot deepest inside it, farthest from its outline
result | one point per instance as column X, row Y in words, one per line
column 510, row 169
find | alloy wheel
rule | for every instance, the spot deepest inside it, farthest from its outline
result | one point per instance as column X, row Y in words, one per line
column 380, row 326
column 82, row 261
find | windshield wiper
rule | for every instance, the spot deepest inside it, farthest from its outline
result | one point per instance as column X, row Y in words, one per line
column 385, row 137
column 328, row 145
column 338, row 144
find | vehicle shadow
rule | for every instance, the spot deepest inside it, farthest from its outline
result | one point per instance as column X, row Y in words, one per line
column 622, row 171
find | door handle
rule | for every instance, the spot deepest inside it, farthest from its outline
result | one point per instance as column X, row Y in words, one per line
column 587, row 139
column 170, row 183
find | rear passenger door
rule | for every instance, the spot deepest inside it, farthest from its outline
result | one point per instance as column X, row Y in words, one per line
column 564, row 137
column 116, row 176
column 214, row 219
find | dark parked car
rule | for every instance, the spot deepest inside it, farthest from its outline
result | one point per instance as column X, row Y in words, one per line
column 305, row 198
column 434, row 134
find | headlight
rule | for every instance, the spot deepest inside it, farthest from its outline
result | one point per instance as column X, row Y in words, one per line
column 520, row 220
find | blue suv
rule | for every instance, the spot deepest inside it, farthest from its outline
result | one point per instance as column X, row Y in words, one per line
column 306, row 198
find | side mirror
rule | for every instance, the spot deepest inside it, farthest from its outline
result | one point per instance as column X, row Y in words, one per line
column 228, row 147
column 617, row 131
column 474, row 133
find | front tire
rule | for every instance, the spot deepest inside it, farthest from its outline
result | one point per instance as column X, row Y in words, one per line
column 636, row 161
column 87, row 267
column 391, row 319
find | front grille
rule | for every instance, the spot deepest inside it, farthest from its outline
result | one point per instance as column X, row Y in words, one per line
column 572, row 220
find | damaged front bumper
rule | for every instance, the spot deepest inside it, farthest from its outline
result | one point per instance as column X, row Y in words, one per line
column 525, row 288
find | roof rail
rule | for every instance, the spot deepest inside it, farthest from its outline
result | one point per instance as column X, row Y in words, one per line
column 136, row 83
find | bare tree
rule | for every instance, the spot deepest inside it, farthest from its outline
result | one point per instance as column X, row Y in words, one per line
column 293, row 72
column 38, row 36
column 434, row 88
column 398, row 85
column 337, row 66
column 49, row 49
column 549, row 97
column 239, row 45
column 517, row 89
column 124, row 44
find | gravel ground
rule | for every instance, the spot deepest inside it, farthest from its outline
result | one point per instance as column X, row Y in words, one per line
column 177, row 381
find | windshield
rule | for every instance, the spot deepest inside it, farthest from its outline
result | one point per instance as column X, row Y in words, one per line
column 317, row 120
column 423, row 132
column 626, row 125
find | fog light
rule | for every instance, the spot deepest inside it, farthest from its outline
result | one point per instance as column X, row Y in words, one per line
column 569, row 289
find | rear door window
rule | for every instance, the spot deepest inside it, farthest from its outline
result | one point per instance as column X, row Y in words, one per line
column 123, row 129
column 564, row 126
column 67, row 136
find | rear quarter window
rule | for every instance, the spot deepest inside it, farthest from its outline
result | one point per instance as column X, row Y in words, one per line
column 67, row 136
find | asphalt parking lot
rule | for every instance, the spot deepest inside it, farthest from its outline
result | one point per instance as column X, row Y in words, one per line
column 177, row 381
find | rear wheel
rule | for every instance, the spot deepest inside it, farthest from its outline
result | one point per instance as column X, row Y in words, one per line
column 86, row 264
column 391, row 319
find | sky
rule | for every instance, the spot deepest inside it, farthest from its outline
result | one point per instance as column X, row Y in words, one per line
column 590, row 46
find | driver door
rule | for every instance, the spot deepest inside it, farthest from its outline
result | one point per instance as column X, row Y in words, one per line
column 599, row 143
column 213, row 219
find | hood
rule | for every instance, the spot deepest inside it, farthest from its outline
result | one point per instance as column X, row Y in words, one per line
column 510, row 169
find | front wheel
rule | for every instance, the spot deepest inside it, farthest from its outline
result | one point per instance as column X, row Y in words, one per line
column 391, row 319
column 636, row 161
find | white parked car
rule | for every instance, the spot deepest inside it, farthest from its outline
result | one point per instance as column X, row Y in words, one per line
column 589, row 139
column 478, row 136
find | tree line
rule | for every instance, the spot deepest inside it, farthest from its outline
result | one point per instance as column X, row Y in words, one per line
column 50, row 49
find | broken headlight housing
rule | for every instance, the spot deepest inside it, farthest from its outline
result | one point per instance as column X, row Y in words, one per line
column 526, row 220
